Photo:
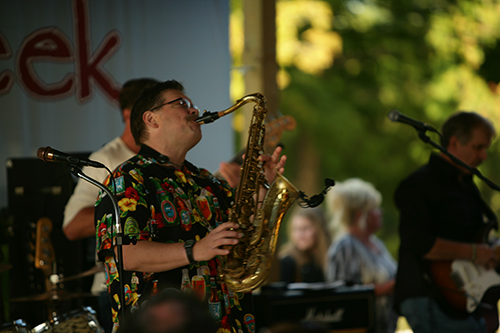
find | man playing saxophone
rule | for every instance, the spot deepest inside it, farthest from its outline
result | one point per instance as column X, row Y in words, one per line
column 177, row 212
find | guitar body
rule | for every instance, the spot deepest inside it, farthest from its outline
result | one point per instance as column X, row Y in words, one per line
column 467, row 288
column 441, row 276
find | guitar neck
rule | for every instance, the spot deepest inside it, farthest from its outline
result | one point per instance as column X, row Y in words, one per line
column 44, row 251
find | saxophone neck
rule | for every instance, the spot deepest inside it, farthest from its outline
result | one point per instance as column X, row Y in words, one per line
column 211, row 116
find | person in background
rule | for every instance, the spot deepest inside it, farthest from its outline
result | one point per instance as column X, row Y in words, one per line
column 177, row 213
column 230, row 172
column 443, row 218
column 79, row 211
column 360, row 257
column 302, row 257
column 170, row 312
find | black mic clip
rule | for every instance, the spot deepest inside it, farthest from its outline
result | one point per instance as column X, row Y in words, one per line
column 316, row 199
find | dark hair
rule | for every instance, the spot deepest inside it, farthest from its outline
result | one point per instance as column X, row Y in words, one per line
column 150, row 97
column 193, row 315
column 461, row 124
column 131, row 90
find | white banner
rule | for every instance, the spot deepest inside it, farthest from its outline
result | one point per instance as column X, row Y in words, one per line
column 62, row 63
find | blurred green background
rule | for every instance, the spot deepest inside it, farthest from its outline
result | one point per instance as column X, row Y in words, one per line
column 345, row 64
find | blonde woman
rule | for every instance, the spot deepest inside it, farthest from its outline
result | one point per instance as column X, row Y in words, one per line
column 358, row 256
column 302, row 258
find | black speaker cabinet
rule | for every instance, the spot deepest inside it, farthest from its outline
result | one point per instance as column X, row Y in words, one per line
column 334, row 307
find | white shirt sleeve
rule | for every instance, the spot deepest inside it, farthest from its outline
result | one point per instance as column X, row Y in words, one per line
column 85, row 194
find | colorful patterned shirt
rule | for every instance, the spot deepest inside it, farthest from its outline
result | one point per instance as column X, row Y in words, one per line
column 177, row 205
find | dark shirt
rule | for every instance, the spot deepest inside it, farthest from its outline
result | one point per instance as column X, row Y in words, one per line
column 309, row 272
column 434, row 202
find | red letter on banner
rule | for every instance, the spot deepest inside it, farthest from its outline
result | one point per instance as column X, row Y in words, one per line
column 48, row 44
column 88, row 65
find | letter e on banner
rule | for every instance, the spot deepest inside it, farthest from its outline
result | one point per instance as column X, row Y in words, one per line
column 6, row 77
column 42, row 45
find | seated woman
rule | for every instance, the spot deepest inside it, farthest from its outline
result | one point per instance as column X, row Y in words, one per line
column 359, row 257
column 302, row 258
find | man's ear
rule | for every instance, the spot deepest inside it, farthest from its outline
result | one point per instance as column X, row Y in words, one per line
column 126, row 114
column 149, row 119
column 453, row 143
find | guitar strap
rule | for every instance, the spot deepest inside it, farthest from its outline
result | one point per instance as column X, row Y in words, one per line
column 489, row 217
column 488, row 212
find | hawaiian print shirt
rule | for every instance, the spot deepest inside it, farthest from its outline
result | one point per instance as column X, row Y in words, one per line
column 177, row 205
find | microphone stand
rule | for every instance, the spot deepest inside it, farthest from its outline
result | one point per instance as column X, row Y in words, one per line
column 425, row 138
column 118, row 228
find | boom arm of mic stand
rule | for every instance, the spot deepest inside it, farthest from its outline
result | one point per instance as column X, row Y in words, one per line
column 118, row 228
column 475, row 171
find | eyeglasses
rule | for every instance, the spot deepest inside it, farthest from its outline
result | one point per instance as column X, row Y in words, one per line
column 180, row 102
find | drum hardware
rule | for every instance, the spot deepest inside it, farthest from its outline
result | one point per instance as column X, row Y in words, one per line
column 18, row 325
column 83, row 320
column 52, row 296
column 92, row 271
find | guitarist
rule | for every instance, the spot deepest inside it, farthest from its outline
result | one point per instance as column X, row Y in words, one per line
column 441, row 213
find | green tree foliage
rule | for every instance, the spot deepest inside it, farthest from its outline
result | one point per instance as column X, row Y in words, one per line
column 426, row 58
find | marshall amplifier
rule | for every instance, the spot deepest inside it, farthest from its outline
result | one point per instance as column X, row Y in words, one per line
column 334, row 307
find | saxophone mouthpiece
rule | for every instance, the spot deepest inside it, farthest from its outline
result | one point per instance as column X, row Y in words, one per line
column 207, row 117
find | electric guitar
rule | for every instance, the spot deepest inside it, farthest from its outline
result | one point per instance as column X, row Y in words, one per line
column 44, row 251
column 274, row 130
column 464, row 284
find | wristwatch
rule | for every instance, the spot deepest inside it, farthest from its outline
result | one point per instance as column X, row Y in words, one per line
column 188, row 245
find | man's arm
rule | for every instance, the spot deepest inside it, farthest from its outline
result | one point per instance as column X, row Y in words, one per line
column 148, row 256
column 230, row 171
column 79, row 210
column 444, row 249
column 82, row 225
column 385, row 288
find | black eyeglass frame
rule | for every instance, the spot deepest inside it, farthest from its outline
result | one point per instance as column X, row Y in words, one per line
column 188, row 104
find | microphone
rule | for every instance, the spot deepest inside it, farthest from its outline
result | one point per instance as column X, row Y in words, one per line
column 48, row 154
column 396, row 116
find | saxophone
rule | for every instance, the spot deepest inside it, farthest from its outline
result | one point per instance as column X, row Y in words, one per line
column 247, row 266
